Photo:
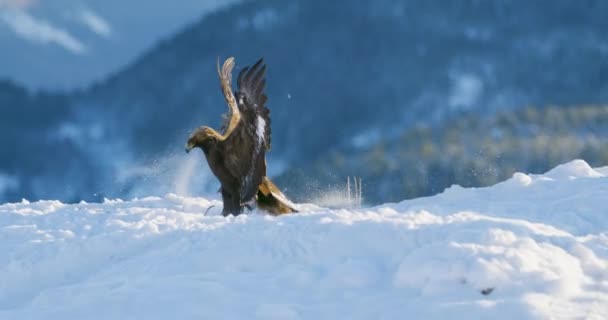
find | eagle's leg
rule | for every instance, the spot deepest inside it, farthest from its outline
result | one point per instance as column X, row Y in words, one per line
column 232, row 203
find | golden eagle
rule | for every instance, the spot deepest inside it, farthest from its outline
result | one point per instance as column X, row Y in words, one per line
column 237, row 156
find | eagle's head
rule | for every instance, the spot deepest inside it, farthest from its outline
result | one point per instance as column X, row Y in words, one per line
column 202, row 138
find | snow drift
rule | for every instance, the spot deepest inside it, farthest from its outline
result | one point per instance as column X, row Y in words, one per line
column 533, row 247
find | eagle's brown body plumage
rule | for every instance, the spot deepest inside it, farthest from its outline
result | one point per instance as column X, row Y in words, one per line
column 237, row 156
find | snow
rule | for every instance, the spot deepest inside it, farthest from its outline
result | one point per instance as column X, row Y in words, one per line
column 466, row 91
column 536, row 245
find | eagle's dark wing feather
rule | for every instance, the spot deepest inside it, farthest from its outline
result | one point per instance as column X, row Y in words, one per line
column 246, row 147
column 251, row 97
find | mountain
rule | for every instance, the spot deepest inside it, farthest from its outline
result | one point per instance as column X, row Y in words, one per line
column 341, row 77
column 338, row 72
column 533, row 247
column 468, row 151
column 344, row 76
column 36, row 152
column 68, row 44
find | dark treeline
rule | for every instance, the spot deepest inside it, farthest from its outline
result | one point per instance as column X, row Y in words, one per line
column 469, row 151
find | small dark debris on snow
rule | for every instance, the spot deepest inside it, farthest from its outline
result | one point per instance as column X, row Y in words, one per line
column 487, row 291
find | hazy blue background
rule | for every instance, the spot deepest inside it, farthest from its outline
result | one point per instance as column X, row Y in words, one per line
column 98, row 97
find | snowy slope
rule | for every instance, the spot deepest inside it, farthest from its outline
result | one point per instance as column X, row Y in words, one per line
column 539, row 241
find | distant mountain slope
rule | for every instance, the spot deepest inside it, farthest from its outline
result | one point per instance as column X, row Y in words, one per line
column 39, row 158
column 468, row 151
column 339, row 73
column 341, row 77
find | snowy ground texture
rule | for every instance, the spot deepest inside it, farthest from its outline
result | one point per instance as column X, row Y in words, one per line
column 536, row 245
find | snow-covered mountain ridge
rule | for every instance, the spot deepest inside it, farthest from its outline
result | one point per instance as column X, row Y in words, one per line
column 532, row 247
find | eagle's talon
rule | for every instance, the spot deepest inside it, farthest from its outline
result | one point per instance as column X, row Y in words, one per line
column 248, row 205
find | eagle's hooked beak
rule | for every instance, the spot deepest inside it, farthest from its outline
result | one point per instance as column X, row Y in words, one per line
column 189, row 147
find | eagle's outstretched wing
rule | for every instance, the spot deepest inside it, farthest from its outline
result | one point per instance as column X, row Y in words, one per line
column 251, row 98
column 247, row 138
column 232, row 119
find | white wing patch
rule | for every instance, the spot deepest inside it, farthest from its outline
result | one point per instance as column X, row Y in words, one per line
column 260, row 130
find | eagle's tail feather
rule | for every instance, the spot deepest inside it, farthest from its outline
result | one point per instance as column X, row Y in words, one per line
column 271, row 199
